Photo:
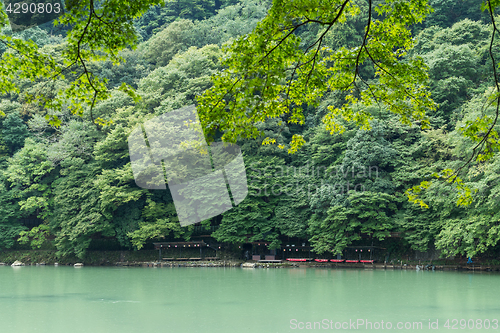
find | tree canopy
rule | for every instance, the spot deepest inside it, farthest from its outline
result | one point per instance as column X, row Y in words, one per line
column 343, row 109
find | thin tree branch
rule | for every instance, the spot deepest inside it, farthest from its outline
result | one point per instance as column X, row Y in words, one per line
column 477, row 149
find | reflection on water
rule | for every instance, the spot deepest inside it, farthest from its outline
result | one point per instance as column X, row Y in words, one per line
column 97, row 299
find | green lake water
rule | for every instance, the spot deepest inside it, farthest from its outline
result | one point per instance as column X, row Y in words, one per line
column 109, row 299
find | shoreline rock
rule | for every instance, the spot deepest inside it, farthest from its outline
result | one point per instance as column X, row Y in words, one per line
column 247, row 265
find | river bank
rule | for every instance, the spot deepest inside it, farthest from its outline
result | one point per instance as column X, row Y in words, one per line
column 91, row 258
column 149, row 258
column 285, row 264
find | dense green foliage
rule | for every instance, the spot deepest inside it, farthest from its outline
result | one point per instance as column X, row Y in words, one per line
column 338, row 188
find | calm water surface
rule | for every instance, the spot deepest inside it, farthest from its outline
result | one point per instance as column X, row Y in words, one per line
column 182, row 300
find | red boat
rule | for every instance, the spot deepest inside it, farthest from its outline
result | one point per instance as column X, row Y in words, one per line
column 297, row 259
column 352, row 261
column 367, row 261
column 337, row 260
column 321, row 260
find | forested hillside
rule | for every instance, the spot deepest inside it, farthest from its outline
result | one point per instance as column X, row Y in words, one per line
column 75, row 180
